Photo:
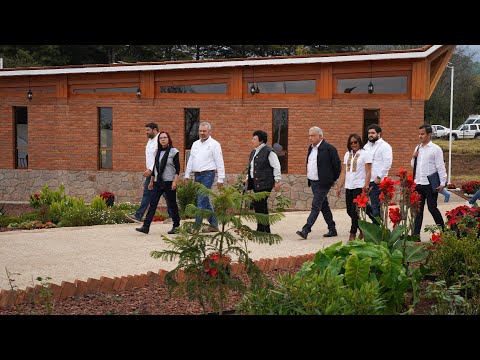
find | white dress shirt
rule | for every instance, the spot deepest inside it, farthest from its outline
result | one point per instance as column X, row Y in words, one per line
column 206, row 155
column 312, row 168
column 355, row 173
column 272, row 159
column 382, row 158
column 429, row 160
column 151, row 152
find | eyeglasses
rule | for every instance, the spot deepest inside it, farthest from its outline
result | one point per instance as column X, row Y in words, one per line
column 353, row 142
column 163, row 138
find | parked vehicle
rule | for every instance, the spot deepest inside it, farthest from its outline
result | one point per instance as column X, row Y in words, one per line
column 472, row 119
column 440, row 131
column 470, row 131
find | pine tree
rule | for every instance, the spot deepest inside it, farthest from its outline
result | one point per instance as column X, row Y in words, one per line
column 205, row 259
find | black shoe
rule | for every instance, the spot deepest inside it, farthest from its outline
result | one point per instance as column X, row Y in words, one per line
column 143, row 229
column 172, row 231
column 302, row 234
column 330, row 233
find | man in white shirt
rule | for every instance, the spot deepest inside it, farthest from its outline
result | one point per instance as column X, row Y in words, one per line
column 429, row 160
column 205, row 158
column 264, row 173
column 381, row 154
column 151, row 130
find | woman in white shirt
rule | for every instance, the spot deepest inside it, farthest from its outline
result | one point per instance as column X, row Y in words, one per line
column 356, row 177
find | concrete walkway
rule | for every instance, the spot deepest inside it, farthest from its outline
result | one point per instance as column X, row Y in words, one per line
column 67, row 254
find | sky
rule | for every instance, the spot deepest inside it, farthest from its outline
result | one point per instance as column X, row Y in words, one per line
column 475, row 48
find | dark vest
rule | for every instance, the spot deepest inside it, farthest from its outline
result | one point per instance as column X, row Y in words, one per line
column 262, row 171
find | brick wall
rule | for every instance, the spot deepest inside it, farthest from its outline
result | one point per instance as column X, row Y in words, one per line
column 63, row 136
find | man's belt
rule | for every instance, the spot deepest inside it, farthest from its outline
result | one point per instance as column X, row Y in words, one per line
column 203, row 172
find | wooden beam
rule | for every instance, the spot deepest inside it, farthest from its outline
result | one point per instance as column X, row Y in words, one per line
column 437, row 63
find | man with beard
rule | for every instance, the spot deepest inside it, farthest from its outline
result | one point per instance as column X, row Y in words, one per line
column 381, row 154
column 151, row 130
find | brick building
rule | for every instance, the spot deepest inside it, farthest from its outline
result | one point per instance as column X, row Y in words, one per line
column 83, row 126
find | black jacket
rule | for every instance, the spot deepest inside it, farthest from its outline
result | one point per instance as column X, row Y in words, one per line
column 328, row 164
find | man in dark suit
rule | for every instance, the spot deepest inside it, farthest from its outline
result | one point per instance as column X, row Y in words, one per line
column 323, row 169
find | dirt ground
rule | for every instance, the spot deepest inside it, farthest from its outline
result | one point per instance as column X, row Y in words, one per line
column 464, row 165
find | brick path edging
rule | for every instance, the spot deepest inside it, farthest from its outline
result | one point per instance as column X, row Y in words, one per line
column 106, row 285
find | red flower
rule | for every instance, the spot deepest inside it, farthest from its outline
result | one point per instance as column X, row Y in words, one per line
column 212, row 259
column 107, row 195
column 395, row 216
column 361, row 200
column 437, row 238
column 415, row 199
column 402, row 173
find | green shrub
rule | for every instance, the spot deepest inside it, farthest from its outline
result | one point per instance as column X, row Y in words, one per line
column 87, row 216
column 457, row 260
column 6, row 220
column 47, row 197
column 79, row 217
column 126, row 206
column 449, row 301
column 98, row 203
column 186, row 194
column 314, row 294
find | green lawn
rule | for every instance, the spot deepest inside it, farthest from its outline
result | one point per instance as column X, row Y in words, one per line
column 464, row 147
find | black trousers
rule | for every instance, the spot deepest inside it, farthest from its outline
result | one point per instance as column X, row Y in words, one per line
column 350, row 195
column 319, row 204
column 427, row 194
column 171, row 203
column 261, row 207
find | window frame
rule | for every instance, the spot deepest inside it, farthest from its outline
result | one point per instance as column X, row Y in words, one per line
column 375, row 74
column 100, row 148
column 16, row 148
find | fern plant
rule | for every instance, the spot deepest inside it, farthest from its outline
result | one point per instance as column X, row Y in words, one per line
column 194, row 248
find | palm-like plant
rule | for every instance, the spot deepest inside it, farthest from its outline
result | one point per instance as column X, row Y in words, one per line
column 192, row 247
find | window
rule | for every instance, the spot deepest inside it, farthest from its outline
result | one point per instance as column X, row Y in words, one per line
column 280, row 137
column 370, row 117
column 195, row 89
column 382, row 85
column 285, row 87
column 192, row 123
column 106, row 139
column 107, row 90
column 21, row 137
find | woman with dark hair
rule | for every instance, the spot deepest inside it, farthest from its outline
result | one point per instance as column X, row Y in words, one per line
column 356, row 177
column 164, row 180
column 264, row 173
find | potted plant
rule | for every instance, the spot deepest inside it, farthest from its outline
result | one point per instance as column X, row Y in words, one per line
column 108, row 197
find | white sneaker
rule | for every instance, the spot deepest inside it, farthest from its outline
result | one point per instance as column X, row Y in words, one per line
column 468, row 204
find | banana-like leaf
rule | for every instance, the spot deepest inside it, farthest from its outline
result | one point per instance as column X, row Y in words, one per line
column 371, row 232
column 415, row 252
column 357, row 271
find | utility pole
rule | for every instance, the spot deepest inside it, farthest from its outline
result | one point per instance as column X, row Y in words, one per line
column 450, row 66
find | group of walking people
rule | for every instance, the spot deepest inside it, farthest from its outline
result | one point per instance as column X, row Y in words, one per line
column 365, row 166
column 206, row 159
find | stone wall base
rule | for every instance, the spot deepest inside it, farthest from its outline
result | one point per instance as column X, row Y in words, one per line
column 18, row 185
